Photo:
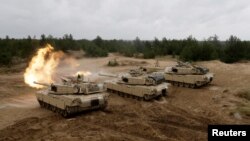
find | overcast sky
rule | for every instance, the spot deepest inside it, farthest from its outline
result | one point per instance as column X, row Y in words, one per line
column 126, row 19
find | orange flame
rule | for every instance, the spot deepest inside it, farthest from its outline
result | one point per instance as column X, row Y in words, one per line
column 42, row 66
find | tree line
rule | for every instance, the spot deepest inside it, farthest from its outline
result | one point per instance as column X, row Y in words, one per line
column 189, row 49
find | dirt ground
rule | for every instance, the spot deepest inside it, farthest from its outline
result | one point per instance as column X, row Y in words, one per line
column 183, row 115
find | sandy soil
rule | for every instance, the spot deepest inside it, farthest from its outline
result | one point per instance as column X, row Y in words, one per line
column 183, row 115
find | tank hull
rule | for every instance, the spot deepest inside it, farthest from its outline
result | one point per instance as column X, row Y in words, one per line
column 136, row 91
column 188, row 80
column 69, row 104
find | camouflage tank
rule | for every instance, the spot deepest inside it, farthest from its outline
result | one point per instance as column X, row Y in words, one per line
column 69, row 98
column 187, row 75
column 138, row 86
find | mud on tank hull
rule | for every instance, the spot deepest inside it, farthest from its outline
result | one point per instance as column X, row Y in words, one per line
column 190, row 81
column 69, row 104
column 137, row 92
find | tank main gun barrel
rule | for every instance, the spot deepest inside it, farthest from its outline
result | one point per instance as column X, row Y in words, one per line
column 43, row 84
column 108, row 75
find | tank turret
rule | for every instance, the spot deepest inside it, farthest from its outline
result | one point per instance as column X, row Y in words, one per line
column 74, row 88
column 138, row 79
column 68, row 80
column 152, row 79
column 149, row 69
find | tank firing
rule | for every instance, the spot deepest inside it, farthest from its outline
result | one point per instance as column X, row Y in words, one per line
column 72, row 96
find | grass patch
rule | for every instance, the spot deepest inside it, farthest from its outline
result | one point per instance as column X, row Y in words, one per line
column 244, row 94
column 113, row 63
column 244, row 110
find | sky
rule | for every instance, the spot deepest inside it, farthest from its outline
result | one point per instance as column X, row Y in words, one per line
column 126, row 19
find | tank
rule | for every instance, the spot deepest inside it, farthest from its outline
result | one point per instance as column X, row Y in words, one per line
column 69, row 98
column 185, row 74
column 138, row 86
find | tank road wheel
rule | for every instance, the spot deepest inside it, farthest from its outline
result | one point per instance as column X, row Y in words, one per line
column 126, row 95
column 186, row 85
column 176, row 84
column 46, row 105
column 173, row 83
column 115, row 92
column 189, row 85
column 119, row 94
column 57, row 110
column 129, row 96
column 53, row 108
column 146, row 97
column 138, row 98
column 65, row 113
column 122, row 95
column 50, row 107
column 181, row 84
column 60, row 111
column 192, row 86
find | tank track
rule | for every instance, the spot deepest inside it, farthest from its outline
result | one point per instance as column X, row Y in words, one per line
column 187, row 85
column 50, row 107
column 67, row 112
column 131, row 96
